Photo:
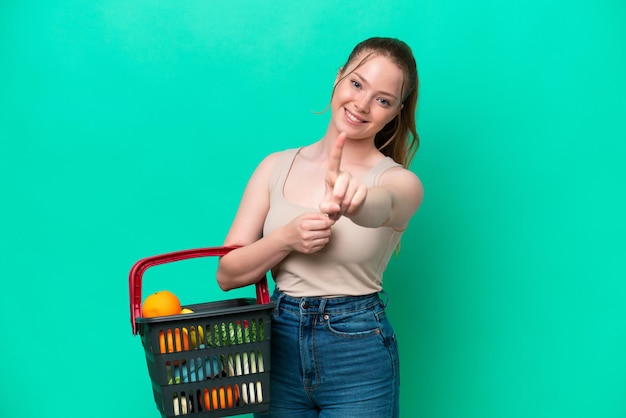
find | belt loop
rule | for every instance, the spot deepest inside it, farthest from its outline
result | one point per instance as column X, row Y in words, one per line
column 386, row 302
column 322, row 306
column 278, row 298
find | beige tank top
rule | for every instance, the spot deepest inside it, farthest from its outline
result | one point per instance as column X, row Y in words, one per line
column 354, row 260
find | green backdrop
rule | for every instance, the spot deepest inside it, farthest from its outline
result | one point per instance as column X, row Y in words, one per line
column 129, row 128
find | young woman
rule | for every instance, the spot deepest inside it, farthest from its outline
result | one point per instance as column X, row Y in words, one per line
column 325, row 219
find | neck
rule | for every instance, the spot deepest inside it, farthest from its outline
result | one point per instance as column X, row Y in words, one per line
column 355, row 151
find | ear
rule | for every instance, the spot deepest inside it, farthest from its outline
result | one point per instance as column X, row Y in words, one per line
column 338, row 75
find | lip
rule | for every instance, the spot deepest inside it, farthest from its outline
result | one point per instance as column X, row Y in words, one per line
column 352, row 118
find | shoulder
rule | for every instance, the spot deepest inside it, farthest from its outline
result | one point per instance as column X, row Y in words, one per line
column 404, row 180
column 396, row 172
column 273, row 158
column 268, row 163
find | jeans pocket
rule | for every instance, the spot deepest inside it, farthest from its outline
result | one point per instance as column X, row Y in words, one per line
column 354, row 324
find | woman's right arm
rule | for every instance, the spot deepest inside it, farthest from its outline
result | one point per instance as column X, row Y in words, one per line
column 258, row 254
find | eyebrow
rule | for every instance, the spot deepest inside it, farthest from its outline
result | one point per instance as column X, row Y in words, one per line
column 367, row 82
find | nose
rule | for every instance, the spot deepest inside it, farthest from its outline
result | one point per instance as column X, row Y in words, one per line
column 362, row 105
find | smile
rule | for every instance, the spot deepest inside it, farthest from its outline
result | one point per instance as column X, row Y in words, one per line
column 352, row 117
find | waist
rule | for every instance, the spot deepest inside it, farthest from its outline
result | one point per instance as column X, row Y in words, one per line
column 328, row 305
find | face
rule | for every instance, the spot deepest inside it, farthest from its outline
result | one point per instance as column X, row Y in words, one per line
column 368, row 98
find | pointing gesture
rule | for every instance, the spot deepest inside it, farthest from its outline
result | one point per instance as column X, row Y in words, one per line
column 344, row 193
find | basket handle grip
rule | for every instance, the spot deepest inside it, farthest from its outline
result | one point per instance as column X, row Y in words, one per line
column 139, row 268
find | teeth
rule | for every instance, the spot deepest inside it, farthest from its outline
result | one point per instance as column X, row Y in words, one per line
column 352, row 117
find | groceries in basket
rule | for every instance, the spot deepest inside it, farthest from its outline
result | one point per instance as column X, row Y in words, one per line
column 197, row 369
column 207, row 359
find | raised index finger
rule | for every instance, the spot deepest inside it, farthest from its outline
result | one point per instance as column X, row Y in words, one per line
column 334, row 162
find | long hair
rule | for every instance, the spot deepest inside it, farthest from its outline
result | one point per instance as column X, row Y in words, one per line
column 398, row 139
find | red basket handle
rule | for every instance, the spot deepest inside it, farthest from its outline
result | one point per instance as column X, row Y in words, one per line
column 138, row 269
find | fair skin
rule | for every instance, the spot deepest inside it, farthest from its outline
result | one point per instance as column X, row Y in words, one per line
column 326, row 177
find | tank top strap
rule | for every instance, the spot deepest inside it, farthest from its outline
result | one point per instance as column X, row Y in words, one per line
column 281, row 168
column 372, row 177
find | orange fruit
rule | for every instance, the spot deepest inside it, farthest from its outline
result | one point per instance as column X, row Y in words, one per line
column 160, row 303
column 207, row 401
column 216, row 400
column 236, row 400
column 226, row 398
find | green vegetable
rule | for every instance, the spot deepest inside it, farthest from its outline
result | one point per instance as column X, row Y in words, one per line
column 233, row 333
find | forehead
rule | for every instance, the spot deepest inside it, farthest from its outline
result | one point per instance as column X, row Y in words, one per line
column 378, row 70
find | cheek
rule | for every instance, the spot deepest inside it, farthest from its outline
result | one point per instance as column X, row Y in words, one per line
column 393, row 115
column 384, row 116
column 339, row 97
column 342, row 92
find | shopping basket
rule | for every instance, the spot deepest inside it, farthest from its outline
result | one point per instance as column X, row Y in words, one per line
column 214, row 362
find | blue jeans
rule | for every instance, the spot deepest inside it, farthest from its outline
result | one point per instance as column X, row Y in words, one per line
column 333, row 358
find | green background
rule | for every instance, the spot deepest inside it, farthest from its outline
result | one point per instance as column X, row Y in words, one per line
column 129, row 128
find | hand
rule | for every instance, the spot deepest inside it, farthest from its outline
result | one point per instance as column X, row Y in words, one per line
column 309, row 232
column 344, row 193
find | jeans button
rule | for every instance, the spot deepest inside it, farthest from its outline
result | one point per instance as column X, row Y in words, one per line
column 305, row 305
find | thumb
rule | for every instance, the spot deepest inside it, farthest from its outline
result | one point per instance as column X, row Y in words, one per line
column 330, row 208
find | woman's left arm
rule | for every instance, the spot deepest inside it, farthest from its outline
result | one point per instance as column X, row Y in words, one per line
column 392, row 202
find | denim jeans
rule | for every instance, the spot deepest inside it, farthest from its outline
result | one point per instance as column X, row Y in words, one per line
column 333, row 358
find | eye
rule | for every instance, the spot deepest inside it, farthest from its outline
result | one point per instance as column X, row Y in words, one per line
column 384, row 102
column 356, row 84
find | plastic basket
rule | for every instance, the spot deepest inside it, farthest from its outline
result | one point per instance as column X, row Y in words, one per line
column 214, row 362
